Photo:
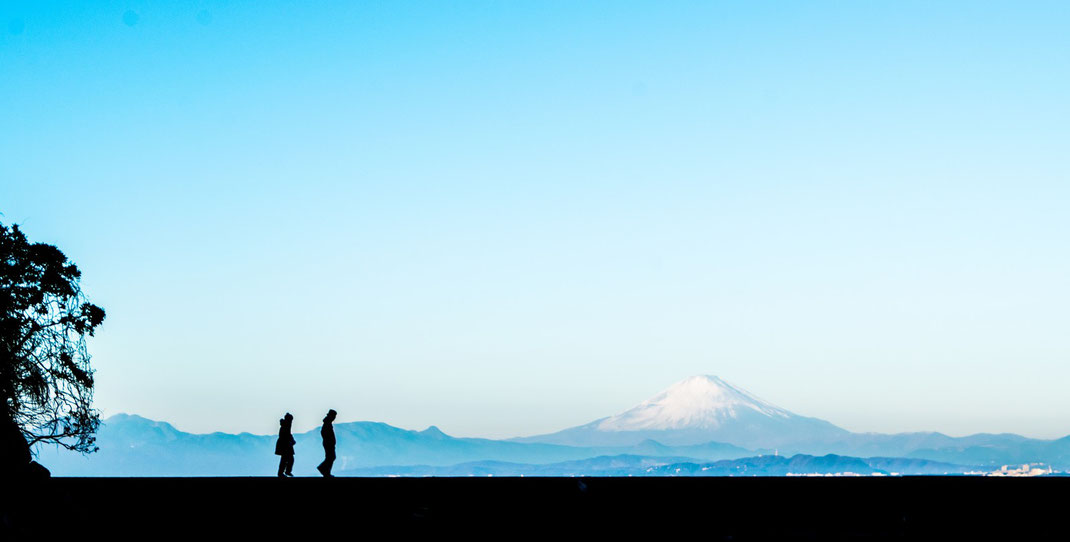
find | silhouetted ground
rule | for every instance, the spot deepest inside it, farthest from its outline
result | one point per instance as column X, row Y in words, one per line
column 717, row 508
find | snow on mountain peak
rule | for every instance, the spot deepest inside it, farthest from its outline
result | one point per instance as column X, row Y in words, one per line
column 697, row 402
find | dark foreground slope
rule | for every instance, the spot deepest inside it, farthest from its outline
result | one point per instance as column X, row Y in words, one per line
column 718, row 508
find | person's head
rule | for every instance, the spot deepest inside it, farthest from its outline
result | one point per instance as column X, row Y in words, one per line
column 289, row 417
column 331, row 415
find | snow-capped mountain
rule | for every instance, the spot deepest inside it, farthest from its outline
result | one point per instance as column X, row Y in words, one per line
column 696, row 410
column 705, row 402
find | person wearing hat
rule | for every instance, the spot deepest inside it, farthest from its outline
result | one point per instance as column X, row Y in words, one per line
column 284, row 447
column 327, row 432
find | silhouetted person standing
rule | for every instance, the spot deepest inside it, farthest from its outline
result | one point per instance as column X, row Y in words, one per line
column 284, row 447
column 327, row 432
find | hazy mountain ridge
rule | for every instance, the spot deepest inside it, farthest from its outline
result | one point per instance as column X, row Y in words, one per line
column 134, row 446
column 631, row 465
column 706, row 408
column 699, row 420
column 802, row 464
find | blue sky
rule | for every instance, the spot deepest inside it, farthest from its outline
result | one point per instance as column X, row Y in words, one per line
column 506, row 218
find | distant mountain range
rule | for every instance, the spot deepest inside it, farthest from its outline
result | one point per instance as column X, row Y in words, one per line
column 135, row 446
column 691, row 428
column 705, row 408
column 634, row 465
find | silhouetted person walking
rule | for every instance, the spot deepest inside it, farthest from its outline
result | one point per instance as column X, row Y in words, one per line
column 327, row 432
column 284, row 447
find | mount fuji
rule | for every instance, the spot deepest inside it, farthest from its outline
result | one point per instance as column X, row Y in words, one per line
column 697, row 410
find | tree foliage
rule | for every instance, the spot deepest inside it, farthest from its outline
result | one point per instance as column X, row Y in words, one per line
column 46, row 383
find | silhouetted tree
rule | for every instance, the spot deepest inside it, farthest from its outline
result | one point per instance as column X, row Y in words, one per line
column 46, row 383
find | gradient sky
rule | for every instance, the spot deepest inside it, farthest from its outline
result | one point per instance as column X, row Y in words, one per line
column 506, row 218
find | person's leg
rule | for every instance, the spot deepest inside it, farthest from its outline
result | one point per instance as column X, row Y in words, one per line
column 282, row 466
column 289, row 465
column 329, row 463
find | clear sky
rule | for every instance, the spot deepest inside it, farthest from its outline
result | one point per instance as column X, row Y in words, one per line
column 506, row 218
